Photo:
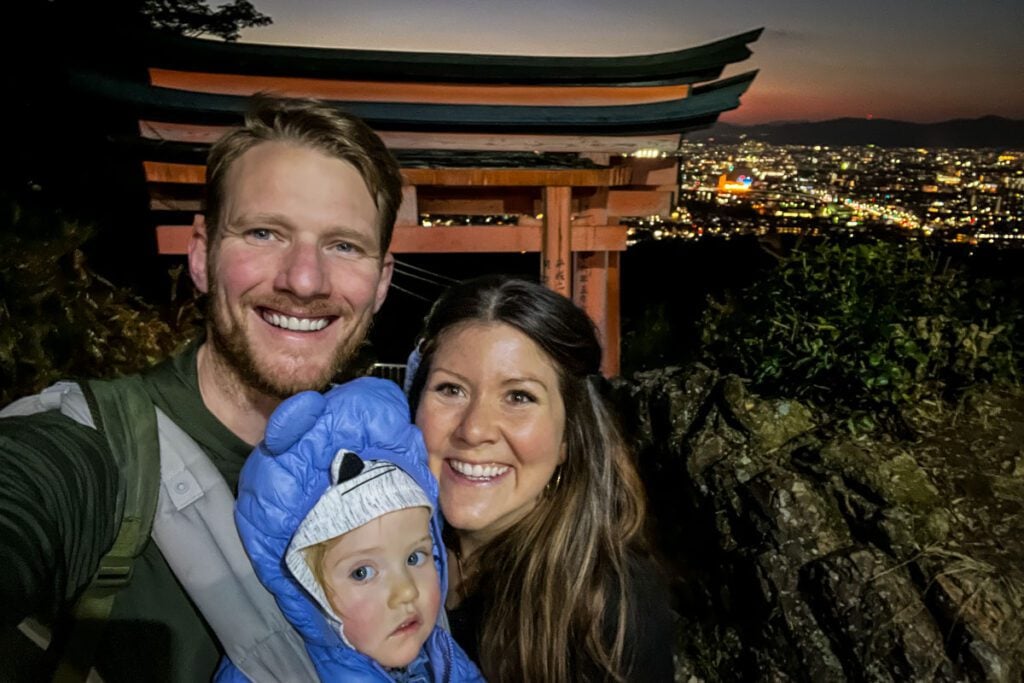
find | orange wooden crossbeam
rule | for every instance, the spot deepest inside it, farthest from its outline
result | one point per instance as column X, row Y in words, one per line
column 465, row 239
column 415, row 239
column 480, row 142
column 518, row 177
column 639, row 202
column 598, row 238
column 656, row 172
column 465, row 206
column 618, row 203
column 480, row 200
column 195, row 174
column 164, row 172
column 447, row 93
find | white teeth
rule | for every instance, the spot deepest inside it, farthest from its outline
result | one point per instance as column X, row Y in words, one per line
column 295, row 324
column 478, row 471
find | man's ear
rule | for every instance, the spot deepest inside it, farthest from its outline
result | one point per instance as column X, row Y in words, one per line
column 198, row 248
column 387, row 269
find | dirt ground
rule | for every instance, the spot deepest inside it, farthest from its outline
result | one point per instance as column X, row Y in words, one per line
column 976, row 573
column 976, row 459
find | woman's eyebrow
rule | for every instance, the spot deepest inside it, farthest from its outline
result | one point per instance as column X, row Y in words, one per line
column 528, row 379
column 440, row 368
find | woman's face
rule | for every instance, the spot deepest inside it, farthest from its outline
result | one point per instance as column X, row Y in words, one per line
column 493, row 419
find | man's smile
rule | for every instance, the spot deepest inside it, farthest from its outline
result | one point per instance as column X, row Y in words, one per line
column 295, row 323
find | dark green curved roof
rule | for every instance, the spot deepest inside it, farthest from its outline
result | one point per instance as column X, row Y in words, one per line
column 700, row 109
column 689, row 65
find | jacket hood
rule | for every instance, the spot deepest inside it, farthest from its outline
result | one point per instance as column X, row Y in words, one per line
column 278, row 489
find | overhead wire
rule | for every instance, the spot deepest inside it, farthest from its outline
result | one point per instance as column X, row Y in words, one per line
column 411, row 293
column 430, row 277
column 431, row 273
column 418, row 277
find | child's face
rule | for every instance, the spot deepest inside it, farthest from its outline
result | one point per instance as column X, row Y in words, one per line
column 381, row 581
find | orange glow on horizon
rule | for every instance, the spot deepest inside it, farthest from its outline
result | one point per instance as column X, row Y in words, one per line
column 768, row 103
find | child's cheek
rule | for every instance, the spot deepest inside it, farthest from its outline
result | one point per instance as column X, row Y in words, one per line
column 432, row 601
column 359, row 615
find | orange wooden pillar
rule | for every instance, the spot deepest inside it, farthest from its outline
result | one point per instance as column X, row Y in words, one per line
column 589, row 278
column 596, row 290
column 556, row 245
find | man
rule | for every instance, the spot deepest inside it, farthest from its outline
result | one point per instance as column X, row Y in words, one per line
column 301, row 203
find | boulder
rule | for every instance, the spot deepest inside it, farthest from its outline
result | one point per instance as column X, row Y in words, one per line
column 800, row 553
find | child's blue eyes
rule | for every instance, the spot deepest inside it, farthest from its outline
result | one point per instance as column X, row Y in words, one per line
column 363, row 573
column 366, row 572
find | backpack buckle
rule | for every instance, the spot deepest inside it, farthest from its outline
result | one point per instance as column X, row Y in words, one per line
column 114, row 572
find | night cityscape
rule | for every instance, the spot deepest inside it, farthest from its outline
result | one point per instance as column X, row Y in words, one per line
column 972, row 197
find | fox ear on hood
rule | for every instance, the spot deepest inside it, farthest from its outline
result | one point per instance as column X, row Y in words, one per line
column 351, row 466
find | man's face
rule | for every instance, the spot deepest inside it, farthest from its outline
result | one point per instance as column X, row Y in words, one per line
column 296, row 272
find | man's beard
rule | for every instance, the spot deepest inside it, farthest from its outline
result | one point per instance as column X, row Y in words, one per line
column 231, row 344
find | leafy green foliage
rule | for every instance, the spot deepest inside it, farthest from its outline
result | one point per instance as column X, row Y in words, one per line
column 870, row 331
column 651, row 342
column 59, row 319
column 195, row 18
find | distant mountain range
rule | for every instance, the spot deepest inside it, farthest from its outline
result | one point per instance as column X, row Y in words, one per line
column 988, row 131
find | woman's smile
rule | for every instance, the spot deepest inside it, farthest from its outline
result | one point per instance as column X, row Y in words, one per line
column 476, row 472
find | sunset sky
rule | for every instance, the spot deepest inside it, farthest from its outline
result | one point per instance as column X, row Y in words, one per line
column 915, row 60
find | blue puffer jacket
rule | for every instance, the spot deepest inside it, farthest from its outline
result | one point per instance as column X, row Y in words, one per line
column 286, row 475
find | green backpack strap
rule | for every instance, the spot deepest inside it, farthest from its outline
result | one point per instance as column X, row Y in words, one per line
column 125, row 415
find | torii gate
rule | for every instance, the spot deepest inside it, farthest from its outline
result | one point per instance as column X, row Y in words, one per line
column 578, row 237
column 605, row 109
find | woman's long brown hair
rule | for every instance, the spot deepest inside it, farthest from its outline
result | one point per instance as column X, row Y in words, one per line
column 551, row 582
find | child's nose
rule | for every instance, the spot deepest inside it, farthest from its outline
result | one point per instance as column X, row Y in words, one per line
column 403, row 590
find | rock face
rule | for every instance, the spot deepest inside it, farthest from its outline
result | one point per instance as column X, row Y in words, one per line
column 800, row 554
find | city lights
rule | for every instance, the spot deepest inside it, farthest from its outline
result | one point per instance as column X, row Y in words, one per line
column 967, row 196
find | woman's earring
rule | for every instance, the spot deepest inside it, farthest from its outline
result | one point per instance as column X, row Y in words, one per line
column 554, row 482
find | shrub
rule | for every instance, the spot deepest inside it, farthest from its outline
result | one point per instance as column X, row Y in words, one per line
column 59, row 319
column 882, row 330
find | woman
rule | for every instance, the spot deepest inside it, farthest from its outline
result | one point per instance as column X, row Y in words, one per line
column 549, row 578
